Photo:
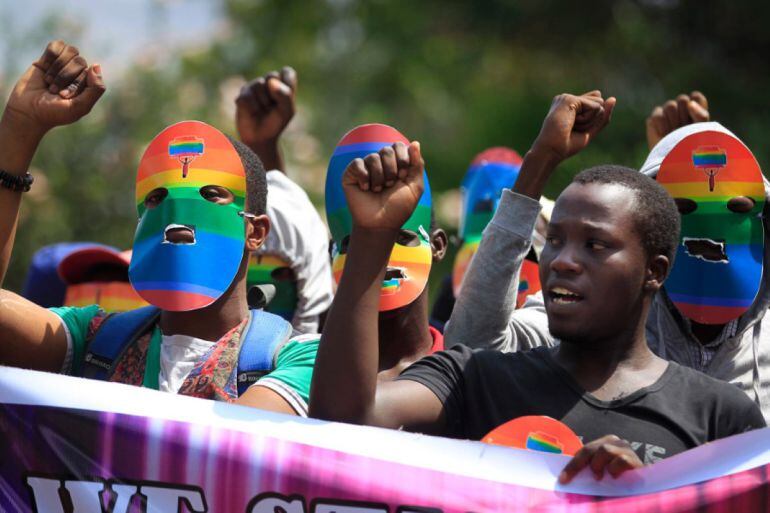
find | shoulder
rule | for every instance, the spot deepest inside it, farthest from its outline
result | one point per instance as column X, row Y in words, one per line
column 733, row 408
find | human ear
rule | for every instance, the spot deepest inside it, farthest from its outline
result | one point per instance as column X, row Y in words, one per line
column 257, row 228
column 657, row 271
column 439, row 242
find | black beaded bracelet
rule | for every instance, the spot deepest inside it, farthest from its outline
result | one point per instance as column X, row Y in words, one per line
column 16, row 182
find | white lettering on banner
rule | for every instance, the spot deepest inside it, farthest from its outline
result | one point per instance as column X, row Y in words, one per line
column 272, row 502
column 45, row 494
column 85, row 496
column 169, row 499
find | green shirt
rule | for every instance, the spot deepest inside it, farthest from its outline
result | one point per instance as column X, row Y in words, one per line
column 290, row 378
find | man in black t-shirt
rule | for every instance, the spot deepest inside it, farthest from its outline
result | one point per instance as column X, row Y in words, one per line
column 610, row 245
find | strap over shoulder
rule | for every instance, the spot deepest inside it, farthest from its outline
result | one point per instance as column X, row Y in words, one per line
column 116, row 333
column 265, row 335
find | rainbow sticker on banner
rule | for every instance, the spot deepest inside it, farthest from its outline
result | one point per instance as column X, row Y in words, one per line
column 114, row 296
column 718, row 267
column 265, row 269
column 490, row 172
column 192, row 271
column 411, row 258
column 536, row 433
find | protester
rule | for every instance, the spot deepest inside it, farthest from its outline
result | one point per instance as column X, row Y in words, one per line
column 402, row 323
column 294, row 258
column 201, row 200
column 98, row 274
column 490, row 172
column 711, row 315
column 606, row 256
column 729, row 350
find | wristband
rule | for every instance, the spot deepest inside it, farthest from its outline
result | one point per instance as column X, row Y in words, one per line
column 20, row 183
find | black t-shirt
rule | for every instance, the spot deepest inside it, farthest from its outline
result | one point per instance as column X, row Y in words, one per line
column 482, row 389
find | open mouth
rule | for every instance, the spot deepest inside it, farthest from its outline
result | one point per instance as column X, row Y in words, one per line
column 179, row 234
column 562, row 296
column 706, row 249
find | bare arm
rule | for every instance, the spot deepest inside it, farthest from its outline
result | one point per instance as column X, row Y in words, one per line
column 345, row 386
column 265, row 399
column 57, row 89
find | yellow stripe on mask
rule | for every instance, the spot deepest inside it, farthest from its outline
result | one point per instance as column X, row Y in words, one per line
column 196, row 177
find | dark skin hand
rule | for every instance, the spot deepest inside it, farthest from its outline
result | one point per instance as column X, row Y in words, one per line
column 607, row 454
column 345, row 385
column 682, row 110
column 264, row 108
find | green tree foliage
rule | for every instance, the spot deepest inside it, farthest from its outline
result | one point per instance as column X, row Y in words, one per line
column 458, row 76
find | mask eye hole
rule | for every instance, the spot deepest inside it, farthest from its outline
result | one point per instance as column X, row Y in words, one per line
column 740, row 204
column 408, row 238
column 283, row 274
column 216, row 194
column 685, row 205
column 155, row 197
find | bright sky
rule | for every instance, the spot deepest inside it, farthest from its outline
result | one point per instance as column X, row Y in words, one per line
column 116, row 31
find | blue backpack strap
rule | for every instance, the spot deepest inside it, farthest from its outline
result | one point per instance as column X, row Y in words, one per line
column 116, row 333
column 265, row 335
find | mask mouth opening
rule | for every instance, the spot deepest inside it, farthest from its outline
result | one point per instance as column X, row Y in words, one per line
column 392, row 280
column 708, row 250
column 179, row 234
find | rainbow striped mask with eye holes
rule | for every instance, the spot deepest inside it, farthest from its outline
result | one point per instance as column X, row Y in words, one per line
column 491, row 171
column 182, row 160
column 411, row 258
column 717, row 185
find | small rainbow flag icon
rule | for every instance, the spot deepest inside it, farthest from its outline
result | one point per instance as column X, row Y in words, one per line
column 710, row 159
column 185, row 149
column 543, row 442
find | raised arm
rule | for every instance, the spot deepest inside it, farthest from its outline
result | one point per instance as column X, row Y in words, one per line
column 264, row 108
column 57, row 89
column 382, row 191
column 484, row 314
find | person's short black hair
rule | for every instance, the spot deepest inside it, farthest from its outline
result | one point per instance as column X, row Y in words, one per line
column 657, row 218
column 256, row 181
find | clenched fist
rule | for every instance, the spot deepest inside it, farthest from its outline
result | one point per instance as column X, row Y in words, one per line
column 572, row 123
column 684, row 110
column 265, row 106
column 383, row 188
column 57, row 89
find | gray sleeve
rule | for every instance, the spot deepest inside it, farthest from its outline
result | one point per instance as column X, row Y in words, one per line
column 484, row 314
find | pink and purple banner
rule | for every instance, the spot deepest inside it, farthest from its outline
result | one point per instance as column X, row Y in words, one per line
column 72, row 445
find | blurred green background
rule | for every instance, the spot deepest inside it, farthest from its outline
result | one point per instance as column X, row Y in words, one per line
column 458, row 76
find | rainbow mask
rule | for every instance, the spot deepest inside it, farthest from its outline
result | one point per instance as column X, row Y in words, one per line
column 184, row 158
column 411, row 258
column 490, row 172
column 111, row 296
column 718, row 265
column 272, row 270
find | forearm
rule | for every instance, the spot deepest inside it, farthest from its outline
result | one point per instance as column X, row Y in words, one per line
column 535, row 171
column 483, row 311
column 270, row 155
column 18, row 143
column 345, row 375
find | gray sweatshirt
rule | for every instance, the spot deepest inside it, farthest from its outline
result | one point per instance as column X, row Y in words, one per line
column 485, row 315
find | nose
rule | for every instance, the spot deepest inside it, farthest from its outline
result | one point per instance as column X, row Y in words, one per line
column 565, row 261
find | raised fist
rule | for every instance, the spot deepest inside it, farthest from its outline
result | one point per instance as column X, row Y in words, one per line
column 572, row 123
column 57, row 89
column 383, row 188
column 265, row 106
column 681, row 111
